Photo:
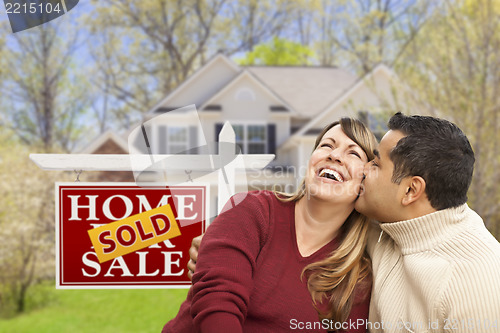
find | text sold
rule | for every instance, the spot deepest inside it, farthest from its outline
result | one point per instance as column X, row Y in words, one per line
column 134, row 233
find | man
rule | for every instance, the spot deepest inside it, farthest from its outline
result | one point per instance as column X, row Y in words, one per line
column 436, row 267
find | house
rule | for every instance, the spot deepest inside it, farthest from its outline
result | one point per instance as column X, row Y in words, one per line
column 272, row 109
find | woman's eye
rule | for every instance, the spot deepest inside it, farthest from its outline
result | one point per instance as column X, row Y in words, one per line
column 355, row 153
column 326, row 145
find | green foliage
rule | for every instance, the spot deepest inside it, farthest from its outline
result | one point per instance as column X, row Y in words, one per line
column 360, row 33
column 453, row 70
column 278, row 52
column 90, row 311
column 26, row 224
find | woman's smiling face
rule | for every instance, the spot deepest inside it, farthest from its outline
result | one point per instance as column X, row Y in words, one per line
column 335, row 169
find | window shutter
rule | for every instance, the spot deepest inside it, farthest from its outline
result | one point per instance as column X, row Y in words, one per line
column 271, row 138
column 162, row 139
column 193, row 140
column 218, row 128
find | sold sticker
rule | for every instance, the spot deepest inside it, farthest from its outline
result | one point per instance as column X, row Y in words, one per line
column 134, row 233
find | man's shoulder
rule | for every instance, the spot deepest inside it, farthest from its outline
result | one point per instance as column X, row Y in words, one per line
column 474, row 255
column 475, row 242
column 470, row 242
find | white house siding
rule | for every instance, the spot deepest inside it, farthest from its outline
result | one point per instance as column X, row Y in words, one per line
column 204, row 85
column 238, row 104
column 306, row 148
column 373, row 95
column 286, row 156
column 246, row 102
column 282, row 121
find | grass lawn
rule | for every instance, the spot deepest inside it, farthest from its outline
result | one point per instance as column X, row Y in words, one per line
column 103, row 311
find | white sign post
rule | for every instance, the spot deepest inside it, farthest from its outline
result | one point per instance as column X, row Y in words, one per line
column 140, row 162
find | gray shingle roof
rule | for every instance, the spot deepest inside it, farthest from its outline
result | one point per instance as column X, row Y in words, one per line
column 308, row 90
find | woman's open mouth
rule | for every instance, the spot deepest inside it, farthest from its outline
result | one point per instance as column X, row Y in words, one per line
column 331, row 174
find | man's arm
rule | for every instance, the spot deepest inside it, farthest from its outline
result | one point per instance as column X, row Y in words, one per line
column 470, row 299
column 193, row 255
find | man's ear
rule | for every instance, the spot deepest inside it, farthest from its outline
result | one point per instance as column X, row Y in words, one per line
column 415, row 189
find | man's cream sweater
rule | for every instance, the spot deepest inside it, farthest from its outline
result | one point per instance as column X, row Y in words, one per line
column 436, row 273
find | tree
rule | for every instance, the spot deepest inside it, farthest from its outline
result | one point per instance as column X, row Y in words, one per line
column 454, row 70
column 246, row 23
column 360, row 33
column 44, row 102
column 176, row 38
column 171, row 35
column 26, row 224
column 278, row 52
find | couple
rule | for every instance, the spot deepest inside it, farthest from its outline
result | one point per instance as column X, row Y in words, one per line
column 278, row 263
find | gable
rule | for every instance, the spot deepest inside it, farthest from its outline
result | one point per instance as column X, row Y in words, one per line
column 247, row 98
column 372, row 93
column 106, row 143
column 203, row 84
column 110, row 147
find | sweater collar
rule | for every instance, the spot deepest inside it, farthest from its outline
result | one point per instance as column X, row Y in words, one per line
column 426, row 232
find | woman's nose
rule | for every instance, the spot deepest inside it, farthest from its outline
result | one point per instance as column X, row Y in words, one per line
column 336, row 155
column 366, row 167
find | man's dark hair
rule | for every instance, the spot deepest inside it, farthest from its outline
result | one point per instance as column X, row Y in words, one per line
column 439, row 152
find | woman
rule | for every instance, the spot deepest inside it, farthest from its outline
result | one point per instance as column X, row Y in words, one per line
column 279, row 262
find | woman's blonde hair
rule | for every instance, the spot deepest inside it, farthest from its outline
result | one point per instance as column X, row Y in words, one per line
column 336, row 277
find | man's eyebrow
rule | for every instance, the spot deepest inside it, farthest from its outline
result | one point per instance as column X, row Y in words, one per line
column 376, row 153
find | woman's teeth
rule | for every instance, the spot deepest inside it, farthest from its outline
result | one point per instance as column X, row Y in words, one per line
column 331, row 174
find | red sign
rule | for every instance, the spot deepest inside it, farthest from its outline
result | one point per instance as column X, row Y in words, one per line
column 81, row 207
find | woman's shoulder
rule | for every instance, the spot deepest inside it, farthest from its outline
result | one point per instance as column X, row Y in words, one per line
column 249, row 214
column 256, row 209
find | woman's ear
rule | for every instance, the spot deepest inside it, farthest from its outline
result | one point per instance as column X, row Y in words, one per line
column 414, row 191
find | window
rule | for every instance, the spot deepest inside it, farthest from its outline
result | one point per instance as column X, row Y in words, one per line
column 251, row 138
column 177, row 140
column 256, row 139
column 173, row 139
column 244, row 94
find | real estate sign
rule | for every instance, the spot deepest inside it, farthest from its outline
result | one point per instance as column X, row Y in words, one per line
column 120, row 235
